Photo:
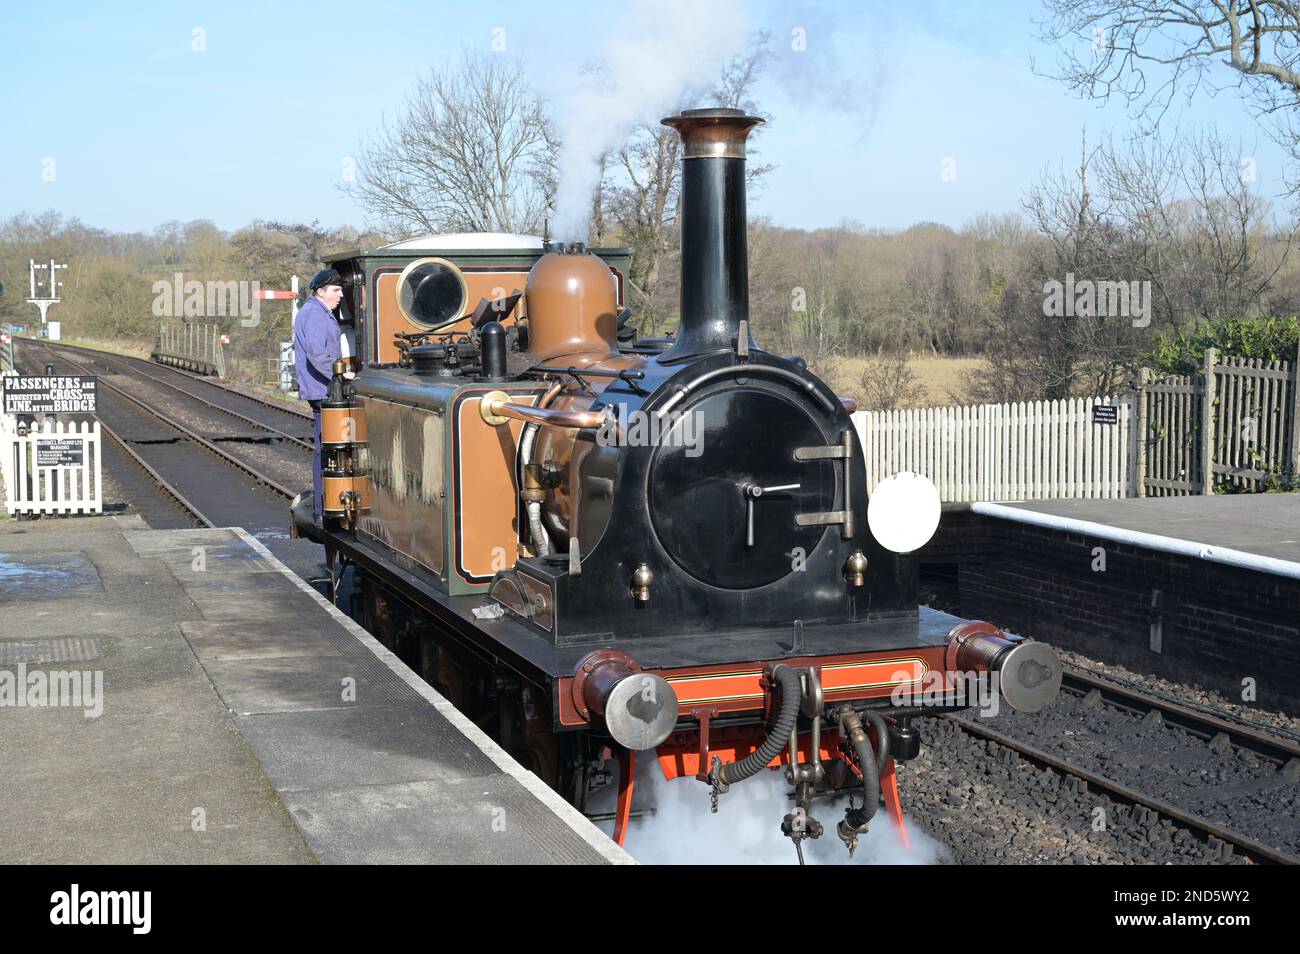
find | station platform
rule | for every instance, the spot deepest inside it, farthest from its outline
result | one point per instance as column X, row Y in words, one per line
column 180, row 696
column 1266, row 525
column 1202, row 589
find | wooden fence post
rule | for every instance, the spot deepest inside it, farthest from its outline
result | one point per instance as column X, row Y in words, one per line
column 1295, row 417
column 1207, row 423
column 1140, row 433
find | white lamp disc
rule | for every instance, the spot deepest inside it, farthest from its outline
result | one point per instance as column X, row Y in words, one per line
column 903, row 512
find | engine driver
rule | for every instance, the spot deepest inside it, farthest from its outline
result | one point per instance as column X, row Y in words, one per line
column 316, row 335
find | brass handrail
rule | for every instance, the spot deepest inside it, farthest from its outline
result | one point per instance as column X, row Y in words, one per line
column 497, row 408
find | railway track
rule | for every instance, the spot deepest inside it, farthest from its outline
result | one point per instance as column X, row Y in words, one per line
column 1269, row 743
column 1175, row 705
column 279, row 422
column 1153, row 712
column 175, row 458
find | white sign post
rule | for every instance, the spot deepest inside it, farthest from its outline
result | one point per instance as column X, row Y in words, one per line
column 50, row 465
column 43, row 302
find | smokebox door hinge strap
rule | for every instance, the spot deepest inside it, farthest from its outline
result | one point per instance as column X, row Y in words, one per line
column 841, row 451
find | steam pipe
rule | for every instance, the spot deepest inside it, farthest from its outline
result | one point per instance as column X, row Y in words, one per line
column 532, row 494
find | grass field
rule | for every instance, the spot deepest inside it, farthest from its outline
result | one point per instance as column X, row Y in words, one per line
column 945, row 379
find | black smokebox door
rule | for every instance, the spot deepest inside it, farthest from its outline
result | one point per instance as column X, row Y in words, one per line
column 699, row 506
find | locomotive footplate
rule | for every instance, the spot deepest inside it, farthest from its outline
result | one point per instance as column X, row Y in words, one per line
column 868, row 659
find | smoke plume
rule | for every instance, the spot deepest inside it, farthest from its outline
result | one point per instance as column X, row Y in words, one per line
column 662, row 49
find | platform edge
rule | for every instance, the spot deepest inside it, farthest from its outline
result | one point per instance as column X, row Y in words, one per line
column 576, row 821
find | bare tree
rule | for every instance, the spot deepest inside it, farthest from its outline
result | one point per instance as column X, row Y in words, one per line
column 1169, row 221
column 887, row 383
column 1148, row 51
column 1197, row 229
column 312, row 239
column 471, row 151
column 815, row 323
column 1079, row 346
column 643, row 201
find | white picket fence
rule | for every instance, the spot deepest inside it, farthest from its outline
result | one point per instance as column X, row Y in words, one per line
column 1033, row 450
column 29, row 488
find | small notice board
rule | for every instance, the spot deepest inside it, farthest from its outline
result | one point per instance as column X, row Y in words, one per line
column 1105, row 414
column 61, row 452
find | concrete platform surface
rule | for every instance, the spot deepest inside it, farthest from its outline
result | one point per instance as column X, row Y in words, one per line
column 1263, row 524
column 181, row 696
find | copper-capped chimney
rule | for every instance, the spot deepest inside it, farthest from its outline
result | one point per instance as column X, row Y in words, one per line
column 715, row 249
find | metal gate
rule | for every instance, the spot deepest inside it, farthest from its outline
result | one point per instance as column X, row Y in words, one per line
column 1169, row 436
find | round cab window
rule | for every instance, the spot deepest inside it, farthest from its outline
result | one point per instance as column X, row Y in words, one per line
column 431, row 291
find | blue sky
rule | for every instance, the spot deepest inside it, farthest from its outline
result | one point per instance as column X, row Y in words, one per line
column 144, row 129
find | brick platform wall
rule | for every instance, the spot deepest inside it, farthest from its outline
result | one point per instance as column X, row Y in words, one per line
column 1220, row 624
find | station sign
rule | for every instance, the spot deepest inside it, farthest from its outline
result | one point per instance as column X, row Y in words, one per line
column 64, row 452
column 1105, row 414
column 50, row 394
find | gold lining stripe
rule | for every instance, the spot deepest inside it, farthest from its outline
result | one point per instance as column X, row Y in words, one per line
column 910, row 661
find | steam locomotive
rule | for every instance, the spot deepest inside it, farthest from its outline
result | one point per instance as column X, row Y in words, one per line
column 604, row 548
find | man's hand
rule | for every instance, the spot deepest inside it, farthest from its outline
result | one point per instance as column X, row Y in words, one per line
column 349, row 375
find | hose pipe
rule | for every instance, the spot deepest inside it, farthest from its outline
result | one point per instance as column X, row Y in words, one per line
column 882, row 739
column 787, row 715
column 851, row 727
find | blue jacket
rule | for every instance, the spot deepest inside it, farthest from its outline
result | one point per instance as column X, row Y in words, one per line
column 315, row 349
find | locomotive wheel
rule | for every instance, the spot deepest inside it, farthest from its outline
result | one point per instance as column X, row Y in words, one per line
column 377, row 616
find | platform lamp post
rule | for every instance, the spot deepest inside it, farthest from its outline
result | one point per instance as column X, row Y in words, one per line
column 51, row 298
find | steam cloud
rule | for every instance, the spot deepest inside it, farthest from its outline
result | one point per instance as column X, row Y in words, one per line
column 661, row 50
column 747, row 827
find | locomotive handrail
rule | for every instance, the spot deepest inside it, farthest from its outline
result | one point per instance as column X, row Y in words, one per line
column 746, row 370
column 496, row 409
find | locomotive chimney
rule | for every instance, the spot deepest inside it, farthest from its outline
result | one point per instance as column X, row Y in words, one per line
column 715, row 251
